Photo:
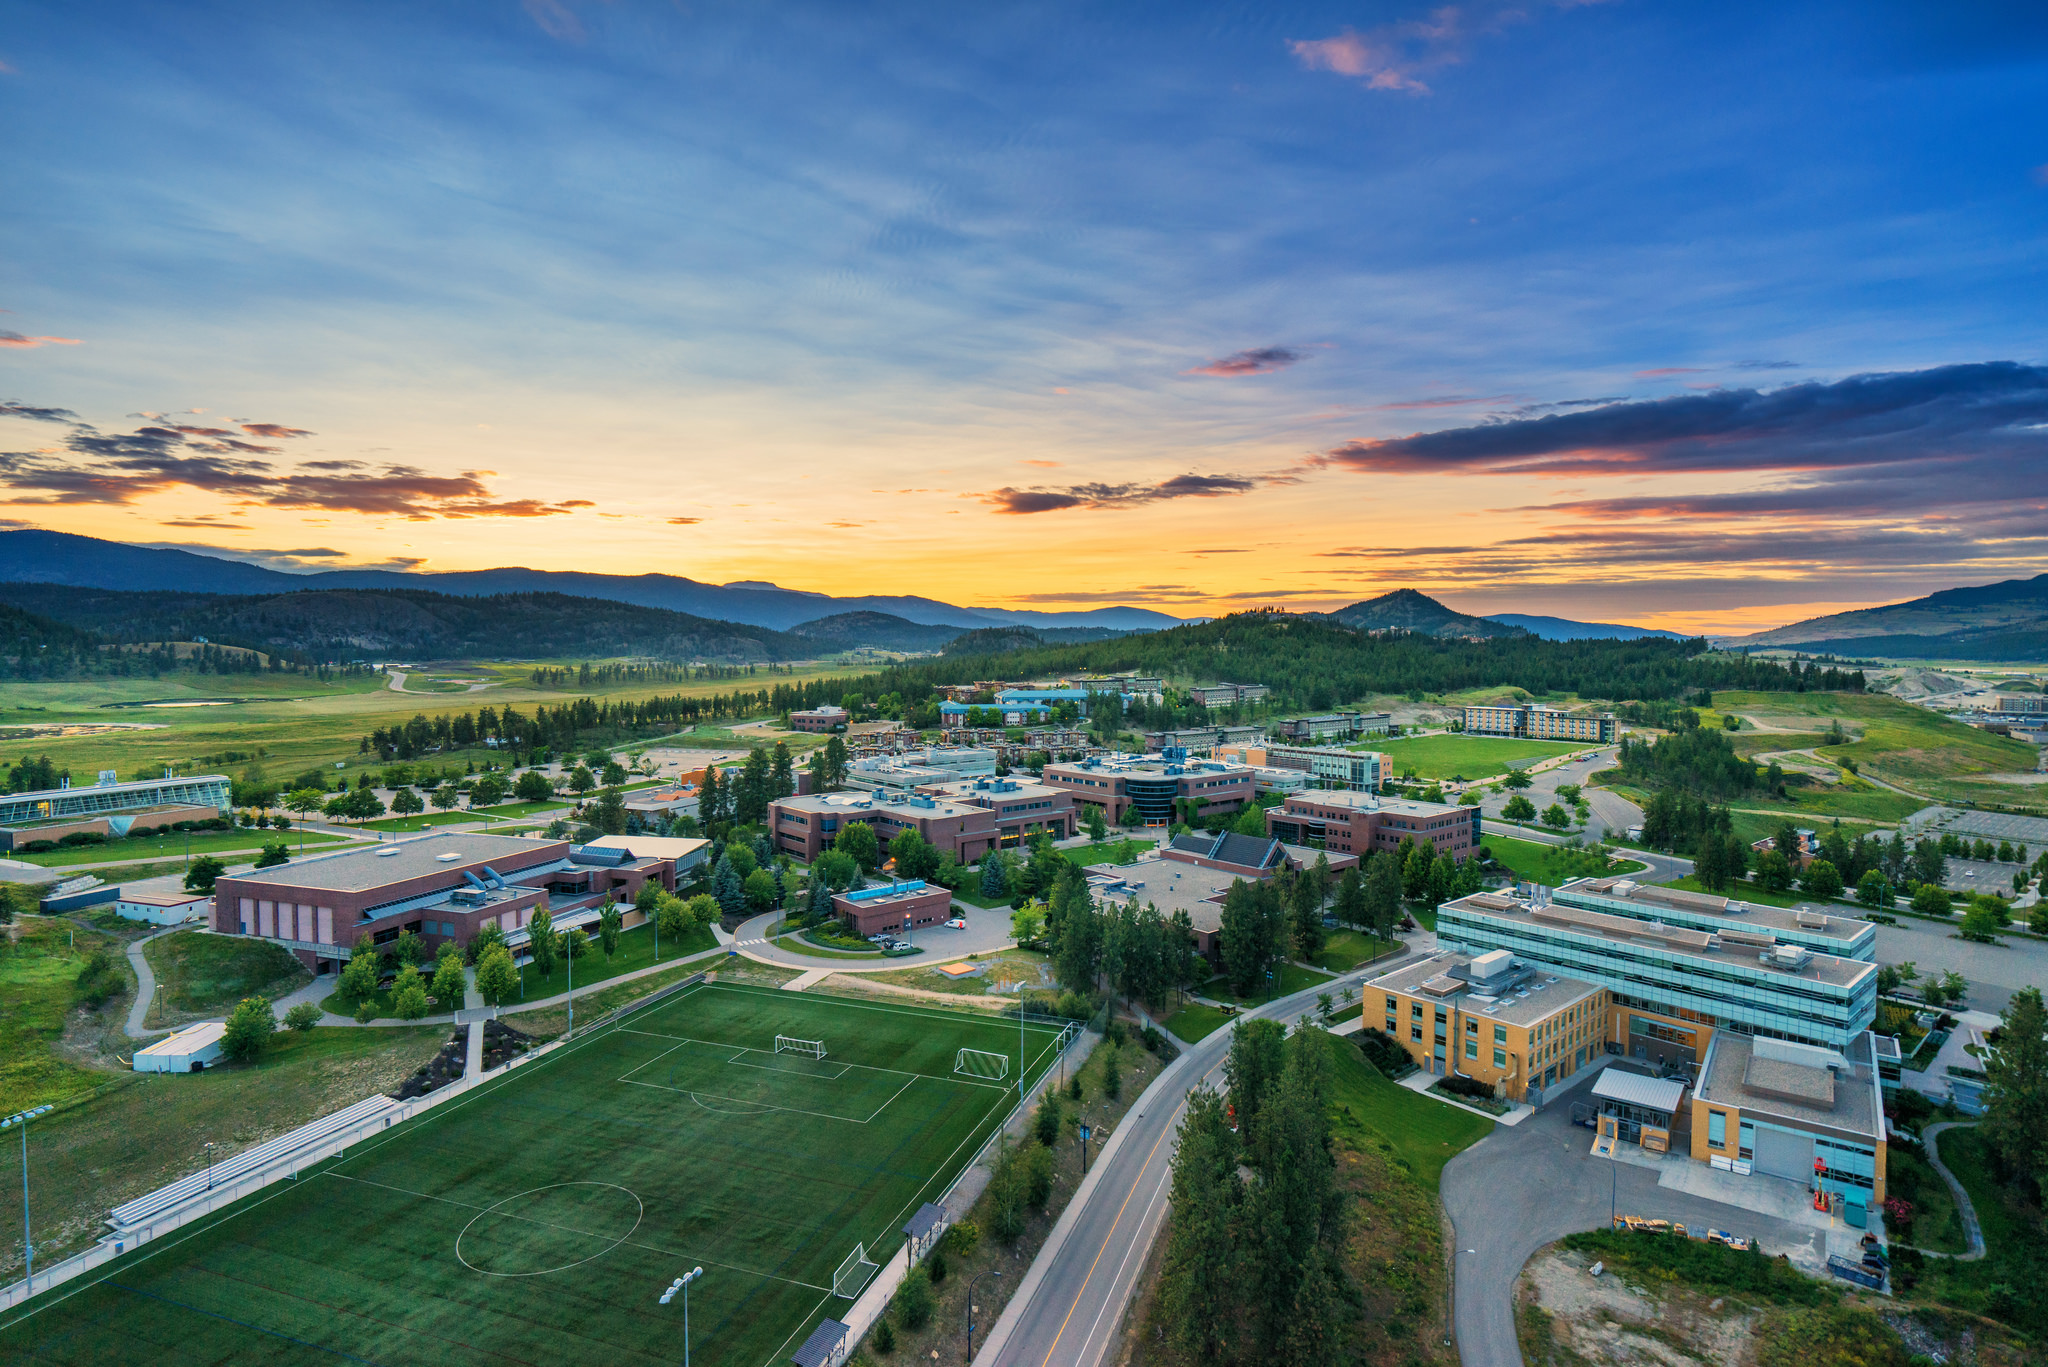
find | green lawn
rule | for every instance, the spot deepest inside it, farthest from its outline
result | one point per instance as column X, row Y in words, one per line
column 1937, row 1223
column 1288, row 979
column 971, row 895
column 174, row 845
column 1460, row 756
column 636, row 951
column 1195, row 1020
column 675, row 1138
column 39, row 967
column 1423, row 1135
column 2016, row 1256
column 1124, row 851
column 1552, row 864
column 1347, row 949
column 1890, row 739
column 198, row 973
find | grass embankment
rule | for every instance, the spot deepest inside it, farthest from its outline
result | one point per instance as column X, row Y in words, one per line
column 1347, row 949
column 1465, row 757
column 1552, row 864
column 487, row 816
column 2004, row 1283
column 40, row 961
column 1287, row 980
column 174, row 846
column 1194, row 1021
column 1124, row 851
column 1937, row 1223
column 200, row 974
column 142, row 1130
column 1887, row 739
column 1010, row 965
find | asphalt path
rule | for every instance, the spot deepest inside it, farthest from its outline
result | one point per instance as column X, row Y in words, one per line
column 1072, row 1300
column 1522, row 1186
column 1611, row 812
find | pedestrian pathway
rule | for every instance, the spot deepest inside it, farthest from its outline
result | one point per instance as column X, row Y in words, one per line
column 1973, row 1231
column 1420, row 1084
column 145, row 987
column 807, row 980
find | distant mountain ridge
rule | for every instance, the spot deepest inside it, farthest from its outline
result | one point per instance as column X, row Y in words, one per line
column 1409, row 610
column 2007, row 620
column 402, row 623
column 1565, row 629
column 45, row 557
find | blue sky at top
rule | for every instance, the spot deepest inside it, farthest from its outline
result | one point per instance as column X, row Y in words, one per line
column 928, row 292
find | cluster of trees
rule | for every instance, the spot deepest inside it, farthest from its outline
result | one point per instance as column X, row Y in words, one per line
column 742, row 799
column 1253, row 1270
column 565, row 726
column 615, row 673
column 34, row 646
column 34, row 775
column 2016, row 1090
column 1695, row 760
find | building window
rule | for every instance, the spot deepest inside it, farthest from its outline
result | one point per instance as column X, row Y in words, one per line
column 1393, row 1005
column 1415, row 1033
column 1500, row 1058
column 1500, row 1034
column 1471, row 1048
column 1717, row 1129
column 1415, row 1010
column 1393, row 1026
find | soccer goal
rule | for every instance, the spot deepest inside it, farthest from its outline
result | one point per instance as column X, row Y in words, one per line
column 853, row 1274
column 785, row 1044
column 981, row 1063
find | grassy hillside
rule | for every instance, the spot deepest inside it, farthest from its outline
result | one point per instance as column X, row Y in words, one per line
column 1456, row 756
column 1888, row 739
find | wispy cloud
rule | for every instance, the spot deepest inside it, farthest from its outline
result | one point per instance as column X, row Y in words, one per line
column 89, row 466
column 1020, row 501
column 1451, row 401
column 274, row 431
column 1257, row 361
column 15, row 339
column 684, row 521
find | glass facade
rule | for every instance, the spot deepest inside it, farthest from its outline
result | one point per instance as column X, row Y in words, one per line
column 1720, row 990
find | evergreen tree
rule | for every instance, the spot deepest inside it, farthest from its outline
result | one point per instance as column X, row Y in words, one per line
column 1383, row 893
column 728, row 887
column 1306, row 897
column 750, row 793
column 2016, row 1094
column 711, row 800
column 610, row 921
column 781, row 773
column 818, row 909
column 1415, row 866
column 1257, row 1056
column 995, row 881
column 1245, row 938
column 1350, row 907
column 1200, row 1284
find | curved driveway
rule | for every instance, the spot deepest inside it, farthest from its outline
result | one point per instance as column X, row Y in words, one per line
column 987, row 931
column 1611, row 811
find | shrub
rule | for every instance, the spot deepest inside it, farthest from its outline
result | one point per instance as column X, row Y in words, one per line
column 1153, row 1039
column 937, row 1265
column 1467, row 1086
column 884, row 1336
column 1045, row 1125
column 1038, row 1170
column 963, row 1238
column 1383, row 1052
column 250, row 1026
column 1112, row 1075
column 99, row 978
column 913, row 1301
column 366, row 1011
column 302, row 1017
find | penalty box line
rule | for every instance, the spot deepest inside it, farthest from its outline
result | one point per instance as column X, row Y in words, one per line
column 571, row 1229
column 845, row 1068
column 762, row 1107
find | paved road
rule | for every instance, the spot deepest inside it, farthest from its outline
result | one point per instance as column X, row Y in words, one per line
column 1071, row 1303
column 987, row 931
column 1523, row 1186
column 1995, row 971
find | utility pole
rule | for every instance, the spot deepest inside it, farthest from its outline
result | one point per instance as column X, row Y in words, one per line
column 21, row 1120
column 970, row 1308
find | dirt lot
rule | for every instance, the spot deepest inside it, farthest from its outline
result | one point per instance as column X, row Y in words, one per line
column 1603, row 1320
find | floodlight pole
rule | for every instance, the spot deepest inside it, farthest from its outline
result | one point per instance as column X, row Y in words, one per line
column 28, row 1249
column 970, row 1307
column 568, row 952
column 209, row 1164
column 682, row 1284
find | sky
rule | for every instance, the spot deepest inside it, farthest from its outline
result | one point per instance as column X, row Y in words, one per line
column 1699, row 316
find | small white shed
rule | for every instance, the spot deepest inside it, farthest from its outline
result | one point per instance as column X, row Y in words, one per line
column 163, row 908
column 183, row 1051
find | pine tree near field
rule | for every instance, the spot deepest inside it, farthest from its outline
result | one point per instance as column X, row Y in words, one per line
column 1307, row 915
column 1383, row 893
column 728, row 887
column 818, row 909
column 1200, row 1282
column 781, row 773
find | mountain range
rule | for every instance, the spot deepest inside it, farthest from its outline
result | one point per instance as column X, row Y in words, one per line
column 1993, row 622
column 45, row 557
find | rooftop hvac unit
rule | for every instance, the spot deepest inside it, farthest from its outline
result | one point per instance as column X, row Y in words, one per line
column 1792, row 957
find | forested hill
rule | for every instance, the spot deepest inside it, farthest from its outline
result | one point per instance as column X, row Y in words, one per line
column 360, row 623
column 1314, row 662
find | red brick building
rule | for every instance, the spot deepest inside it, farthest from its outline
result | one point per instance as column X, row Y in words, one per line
column 1357, row 823
column 440, row 887
column 897, row 907
column 1160, row 792
column 819, row 719
column 969, row 818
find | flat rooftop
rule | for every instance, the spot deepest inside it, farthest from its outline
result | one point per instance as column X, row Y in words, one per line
column 1750, row 947
column 1537, row 998
column 987, row 790
column 1152, row 767
column 1734, row 1073
column 1169, row 884
column 1373, row 802
column 1811, row 918
column 855, row 802
column 394, row 861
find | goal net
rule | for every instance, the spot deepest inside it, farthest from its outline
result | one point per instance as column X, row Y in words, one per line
column 981, row 1063
column 785, row 1044
column 853, row 1274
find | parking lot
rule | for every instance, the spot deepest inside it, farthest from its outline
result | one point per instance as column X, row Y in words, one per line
column 1523, row 1186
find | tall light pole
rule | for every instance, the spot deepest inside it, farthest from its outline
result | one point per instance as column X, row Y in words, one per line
column 210, row 1145
column 682, row 1284
column 970, row 1308
column 28, row 1249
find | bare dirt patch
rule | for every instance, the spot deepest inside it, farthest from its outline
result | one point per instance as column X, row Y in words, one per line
column 1589, row 1319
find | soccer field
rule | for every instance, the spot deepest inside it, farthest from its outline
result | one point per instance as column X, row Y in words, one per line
column 539, row 1218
